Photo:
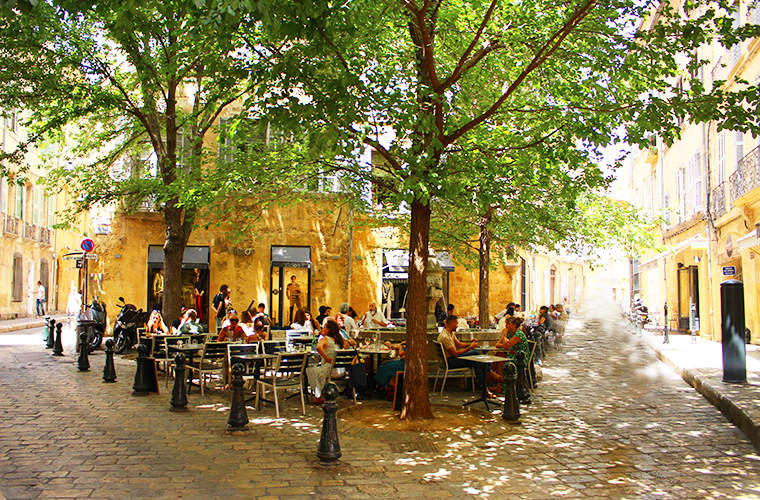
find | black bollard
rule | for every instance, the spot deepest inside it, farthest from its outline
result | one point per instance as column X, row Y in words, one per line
column 58, row 346
column 238, row 420
column 141, row 387
column 732, row 330
column 511, row 411
column 523, row 394
column 328, row 451
column 179, row 392
column 109, row 372
column 84, row 361
column 665, row 328
column 46, row 331
column 51, row 334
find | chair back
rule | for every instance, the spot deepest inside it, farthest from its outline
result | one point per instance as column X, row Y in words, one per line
column 289, row 363
column 198, row 338
column 343, row 358
column 214, row 351
column 441, row 351
column 234, row 349
column 274, row 346
column 532, row 345
column 158, row 346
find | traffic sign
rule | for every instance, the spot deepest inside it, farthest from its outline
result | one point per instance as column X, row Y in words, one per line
column 87, row 245
column 80, row 263
column 729, row 270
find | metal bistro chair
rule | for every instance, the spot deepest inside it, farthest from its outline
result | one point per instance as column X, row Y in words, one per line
column 234, row 349
column 443, row 366
column 344, row 359
column 167, row 355
column 212, row 361
column 198, row 338
column 532, row 344
column 288, row 370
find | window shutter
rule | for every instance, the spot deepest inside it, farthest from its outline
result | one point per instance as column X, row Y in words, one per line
column 51, row 211
column 18, row 283
column 666, row 212
column 739, row 144
column 697, row 175
column 37, row 205
column 20, row 199
column 3, row 195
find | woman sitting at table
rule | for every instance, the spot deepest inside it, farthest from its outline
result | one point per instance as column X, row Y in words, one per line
column 156, row 324
column 347, row 340
column 233, row 332
column 513, row 340
column 302, row 322
column 259, row 332
column 318, row 375
column 388, row 370
column 246, row 322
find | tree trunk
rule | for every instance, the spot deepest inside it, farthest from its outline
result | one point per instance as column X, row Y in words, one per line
column 484, row 254
column 174, row 250
column 416, row 389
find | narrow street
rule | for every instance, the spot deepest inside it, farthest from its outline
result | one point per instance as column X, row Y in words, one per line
column 608, row 421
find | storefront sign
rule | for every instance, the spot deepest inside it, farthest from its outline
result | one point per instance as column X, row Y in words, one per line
column 240, row 251
column 729, row 270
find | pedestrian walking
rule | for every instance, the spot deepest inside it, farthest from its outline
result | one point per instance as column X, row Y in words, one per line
column 40, row 299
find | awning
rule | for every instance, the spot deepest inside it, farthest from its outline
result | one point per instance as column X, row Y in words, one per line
column 291, row 256
column 193, row 258
column 445, row 260
column 397, row 261
column 748, row 241
column 697, row 242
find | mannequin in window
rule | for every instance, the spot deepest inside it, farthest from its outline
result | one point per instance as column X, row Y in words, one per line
column 388, row 296
column 200, row 290
column 293, row 293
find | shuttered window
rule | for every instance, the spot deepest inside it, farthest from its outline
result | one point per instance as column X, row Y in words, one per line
column 37, row 205
column 17, row 283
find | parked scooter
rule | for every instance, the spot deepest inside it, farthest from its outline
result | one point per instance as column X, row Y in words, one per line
column 127, row 322
column 94, row 317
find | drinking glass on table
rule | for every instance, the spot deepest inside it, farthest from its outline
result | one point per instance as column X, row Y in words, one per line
column 366, row 342
column 374, row 339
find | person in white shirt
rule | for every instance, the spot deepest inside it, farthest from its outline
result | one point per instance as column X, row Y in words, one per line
column 373, row 318
column 40, row 299
column 348, row 321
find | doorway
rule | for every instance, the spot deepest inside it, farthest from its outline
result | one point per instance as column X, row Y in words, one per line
column 290, row 291
column 688, row 294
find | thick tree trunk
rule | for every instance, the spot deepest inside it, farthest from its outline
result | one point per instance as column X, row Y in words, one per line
column 484, row 255
column 174, row 250
column 416, row 390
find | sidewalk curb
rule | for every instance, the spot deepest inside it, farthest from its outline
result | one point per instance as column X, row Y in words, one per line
column 702, row 385
column 36, row 323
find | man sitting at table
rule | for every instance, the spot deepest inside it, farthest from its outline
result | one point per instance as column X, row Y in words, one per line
column 233, row 331
column 373, row 318
column 457, row 349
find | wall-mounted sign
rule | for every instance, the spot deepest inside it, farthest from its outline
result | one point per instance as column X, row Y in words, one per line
column 729, row 270
column 87, row 245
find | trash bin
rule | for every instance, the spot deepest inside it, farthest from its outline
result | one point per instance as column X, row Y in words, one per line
column 85, row 324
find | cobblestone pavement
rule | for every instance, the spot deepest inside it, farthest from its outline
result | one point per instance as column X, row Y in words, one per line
column 608, row 421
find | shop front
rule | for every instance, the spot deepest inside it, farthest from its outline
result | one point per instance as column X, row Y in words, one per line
column 290, row 283
column 195, row 279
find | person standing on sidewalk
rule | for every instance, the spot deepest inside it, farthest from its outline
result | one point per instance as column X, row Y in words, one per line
column 40, row 299
column 219, row 305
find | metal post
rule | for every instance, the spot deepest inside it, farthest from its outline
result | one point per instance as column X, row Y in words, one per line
column 109, row 372
column 693, row 321
column 51, row 334
column 179, row 392
column 328, row 450
column 732, row 332
column 141, row 387
column 238, row 419
column 665, row 328
column 511, row 411
column 84, row 361
column 46, row 331
column 58, row 347
column 523, row 394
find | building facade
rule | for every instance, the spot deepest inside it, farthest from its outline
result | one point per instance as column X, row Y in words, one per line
column 706, row 187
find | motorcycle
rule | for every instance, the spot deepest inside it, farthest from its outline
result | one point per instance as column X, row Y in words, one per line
column 127, row 322
column 94, row 317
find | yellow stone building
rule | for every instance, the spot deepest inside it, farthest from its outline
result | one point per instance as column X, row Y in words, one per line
column 707, row 187
column 30, row 249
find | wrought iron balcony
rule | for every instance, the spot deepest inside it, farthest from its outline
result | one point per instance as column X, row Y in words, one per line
column 718, row 200
column 30, row 231
column 747, row 175
column 10, row 224
column 44, row 236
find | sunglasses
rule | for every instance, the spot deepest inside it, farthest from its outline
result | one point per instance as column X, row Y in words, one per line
column 234, row 320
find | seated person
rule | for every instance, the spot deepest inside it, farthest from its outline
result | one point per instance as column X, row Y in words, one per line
column 326, row 347
column 347, row 340
column 302, row 322
column 259, row 331
column 388, row 370
column 373, row 318
column 262, row 314
column 232, row 332
column 156, row 324
column 514, row 340
column 246, row 322
column 456, row 349
column 189, row 323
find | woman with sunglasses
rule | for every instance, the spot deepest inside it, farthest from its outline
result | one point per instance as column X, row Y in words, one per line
column 233, row 331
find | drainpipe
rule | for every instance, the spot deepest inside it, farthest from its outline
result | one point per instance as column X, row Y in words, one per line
column 350, row 252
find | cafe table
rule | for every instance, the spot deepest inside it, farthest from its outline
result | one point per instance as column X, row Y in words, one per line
column 256, row 359
column 485, row 359
column 375, row 356
column 189, row 350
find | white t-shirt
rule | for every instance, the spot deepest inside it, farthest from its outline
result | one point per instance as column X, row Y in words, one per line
column 41, row 292
column 368, row 317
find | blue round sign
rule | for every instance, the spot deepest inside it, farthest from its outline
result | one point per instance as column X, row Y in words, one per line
column 87, row 245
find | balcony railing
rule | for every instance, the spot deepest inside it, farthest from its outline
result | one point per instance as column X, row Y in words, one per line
column 747, row 175
column 30, row 231
column 718, row 200
column 44, row 236
column 10, row 224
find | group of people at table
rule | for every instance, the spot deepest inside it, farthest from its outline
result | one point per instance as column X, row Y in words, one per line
column 334, row 333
